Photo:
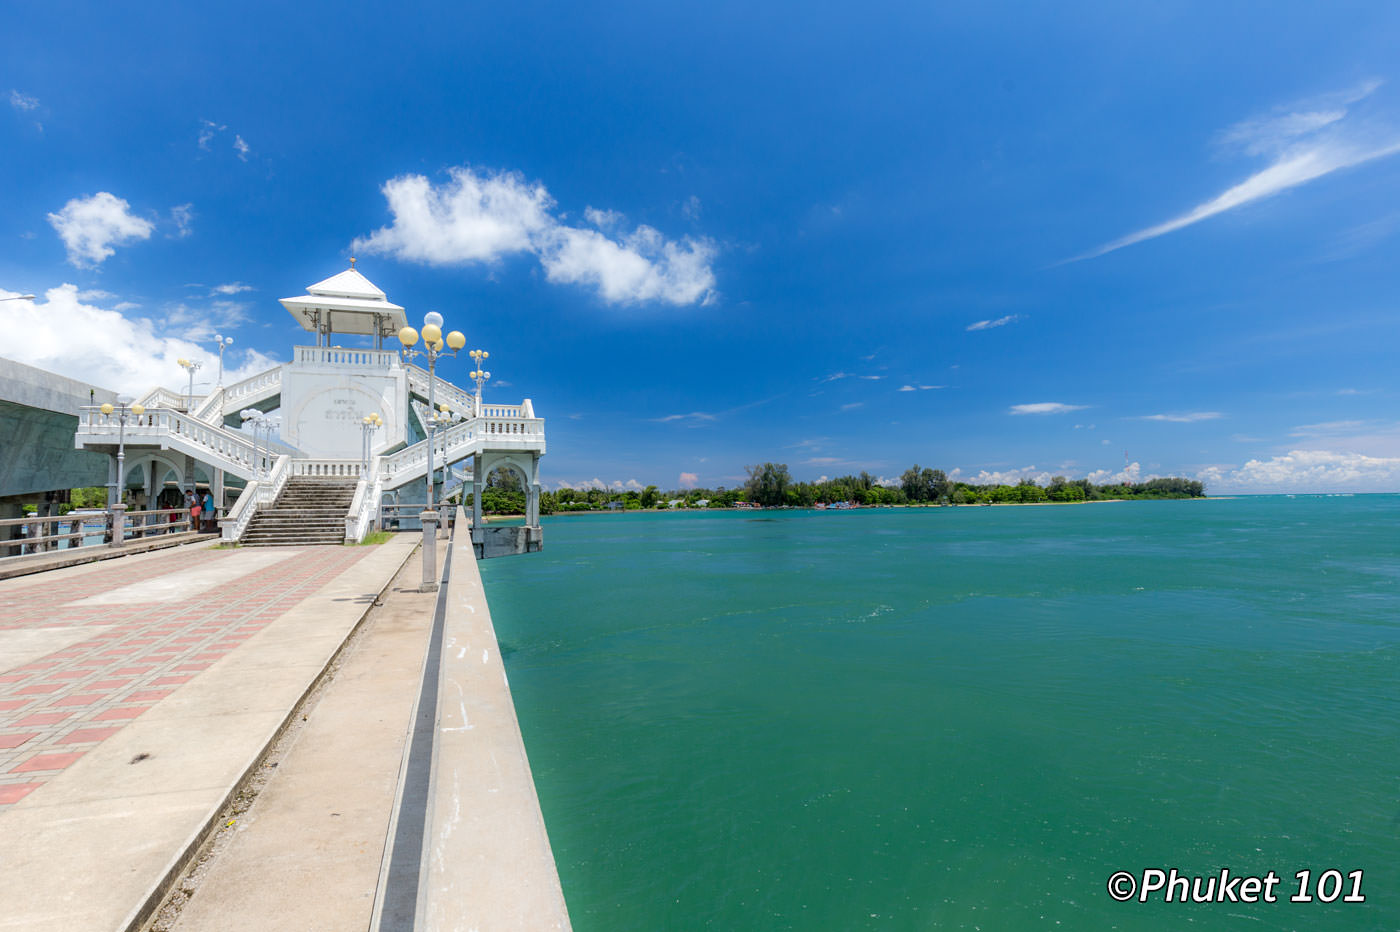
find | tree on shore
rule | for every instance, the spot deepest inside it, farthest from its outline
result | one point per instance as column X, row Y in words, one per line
column 768, row 484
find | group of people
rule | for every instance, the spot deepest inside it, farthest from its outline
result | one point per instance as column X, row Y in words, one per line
column 203, row 516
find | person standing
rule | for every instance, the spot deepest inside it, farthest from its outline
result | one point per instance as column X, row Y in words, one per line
column 195, row 508
column 209, row 516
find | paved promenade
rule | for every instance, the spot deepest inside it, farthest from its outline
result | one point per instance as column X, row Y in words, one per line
column 135, row 694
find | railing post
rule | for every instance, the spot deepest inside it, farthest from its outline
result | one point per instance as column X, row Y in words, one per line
column 118, row 524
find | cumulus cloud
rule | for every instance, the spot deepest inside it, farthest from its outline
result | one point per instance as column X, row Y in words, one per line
column 1189, row 417
column 230, row 288
column 1129, row 473
column 1308, row 471
column 90, row 227
column 1303, row 142
column 1046, row 407
column 1002, row 477
column 999, row 322
column 67, row 335
column 483, row 217
column 689, row 480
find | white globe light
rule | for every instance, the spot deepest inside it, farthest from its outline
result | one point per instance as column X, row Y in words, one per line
column 432, row 319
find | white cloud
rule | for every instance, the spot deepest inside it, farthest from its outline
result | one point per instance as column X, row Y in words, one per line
column 90, row 227
column 1002, row 477
column 999, row 322
column 241, row 146
column 1046, row 407
column 207, row 132
column 181, row 217
column 482, row 217
column 231, row 288
column 23, row 102
column 1189, row 417
column 688, row 480
column 919, row 388
column 66, row 335
column 1307, row 471
column 853, row 405
column 603, row 219
column 1130, row 473
column 1303, row 142
column 691, row 208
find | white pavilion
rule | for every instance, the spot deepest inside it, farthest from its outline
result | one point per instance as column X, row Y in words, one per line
column 322, row 399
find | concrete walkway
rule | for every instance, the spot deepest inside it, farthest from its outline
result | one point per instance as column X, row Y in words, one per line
column 135, row 694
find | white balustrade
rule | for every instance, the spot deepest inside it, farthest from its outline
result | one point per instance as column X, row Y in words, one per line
column 339, row 356
column 328, row 469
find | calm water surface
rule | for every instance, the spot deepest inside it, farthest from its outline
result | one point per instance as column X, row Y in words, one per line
column 961, row 718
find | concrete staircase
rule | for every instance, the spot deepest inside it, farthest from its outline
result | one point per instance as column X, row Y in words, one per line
column 308, row 511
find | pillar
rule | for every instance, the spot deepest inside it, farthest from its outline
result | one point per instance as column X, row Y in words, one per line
column 477, row 480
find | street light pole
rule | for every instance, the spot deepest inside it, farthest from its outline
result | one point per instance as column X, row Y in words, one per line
column 433, row 341
column 223, row 342
column 189, row 366
column 369, row 424
column 479, row 375
column 114, row 493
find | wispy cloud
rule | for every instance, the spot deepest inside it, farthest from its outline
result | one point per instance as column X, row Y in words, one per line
column 23, row 102
column 1327, row 428
column 91, row 226
column 1046, row 407
column 1188, row 417
column 919, row 388
column 230, row 288
column 241, row 147
column 484, row 216
column 999, row 322
column 853, row 405
column 695, row 417
column 182, row 215
column 1304, row 141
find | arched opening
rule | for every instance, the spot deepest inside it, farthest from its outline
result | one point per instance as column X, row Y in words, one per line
column 505, row 491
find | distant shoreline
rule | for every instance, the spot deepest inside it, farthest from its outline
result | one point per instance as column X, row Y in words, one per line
column 653, row 511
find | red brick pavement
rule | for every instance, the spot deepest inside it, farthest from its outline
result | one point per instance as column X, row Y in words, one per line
column 55, row 708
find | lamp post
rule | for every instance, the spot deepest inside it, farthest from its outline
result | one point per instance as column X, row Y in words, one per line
column 114, row 491
column 479, row 375
column 261, row 423
column 189, row 366
column 223, row 342
column 433, row 340
column 368, row 425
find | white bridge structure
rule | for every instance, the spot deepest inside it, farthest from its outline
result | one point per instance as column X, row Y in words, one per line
column 323, row 396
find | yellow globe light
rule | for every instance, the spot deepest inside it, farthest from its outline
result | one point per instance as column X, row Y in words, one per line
column 485, row 355
column 437, row 345
column 138, row 410
column 106, row 409
column 408, row 336
column 456, row 340
column 432, row 333
column 442, row 408
column 182, row 361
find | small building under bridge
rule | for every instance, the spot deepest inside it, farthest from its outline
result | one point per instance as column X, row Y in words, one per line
column 290, row 454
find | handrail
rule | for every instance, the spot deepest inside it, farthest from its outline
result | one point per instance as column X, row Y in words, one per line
column 233, row 524
column 328, row 468
column 443, row 390
column 276, row 480
column 160, row 397
column 213, row 400
column 253, row 385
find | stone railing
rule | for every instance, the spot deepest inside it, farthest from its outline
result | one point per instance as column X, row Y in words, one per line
column 328, row 469
column 444, row 392
column 257, row 493
column 363, row 514
column 263, row 384
column 212, row 407
column 341, row 357
column 460, row 441
column 162, row 398
column 213, row 444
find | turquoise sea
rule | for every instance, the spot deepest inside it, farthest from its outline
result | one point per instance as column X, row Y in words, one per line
column 962, row 718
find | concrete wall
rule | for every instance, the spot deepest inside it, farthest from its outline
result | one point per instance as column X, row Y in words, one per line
column 38, row 418
column 506, row 540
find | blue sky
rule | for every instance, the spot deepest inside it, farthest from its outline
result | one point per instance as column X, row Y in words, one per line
column 1001, row 239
